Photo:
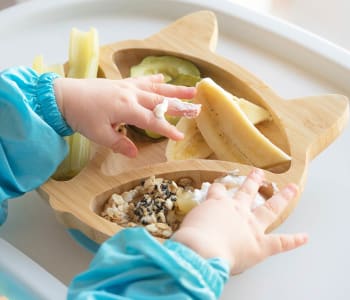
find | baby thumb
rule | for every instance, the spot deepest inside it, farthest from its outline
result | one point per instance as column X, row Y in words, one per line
column 119, row 142
column 124, row 146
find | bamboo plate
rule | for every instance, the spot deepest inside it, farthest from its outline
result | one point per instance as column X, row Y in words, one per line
column 301, row 127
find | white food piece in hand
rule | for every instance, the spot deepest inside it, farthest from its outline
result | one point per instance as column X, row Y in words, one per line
column 160, row 109
column 189, row 110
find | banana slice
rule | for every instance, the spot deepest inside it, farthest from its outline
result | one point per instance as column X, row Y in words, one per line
column 255, row 113
column 229, row 132
column 194, row 145
column 191, row 146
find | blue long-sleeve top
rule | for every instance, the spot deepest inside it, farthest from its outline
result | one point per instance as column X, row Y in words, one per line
column 31, row 126
column 131, row 264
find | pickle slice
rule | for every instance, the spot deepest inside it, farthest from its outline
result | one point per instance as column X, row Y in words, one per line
column 170, row 66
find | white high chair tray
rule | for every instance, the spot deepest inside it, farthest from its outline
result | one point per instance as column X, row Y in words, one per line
column 21, row 278
column 291, row 61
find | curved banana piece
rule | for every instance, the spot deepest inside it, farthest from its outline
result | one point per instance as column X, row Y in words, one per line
column 229, row 132
column 191, row 146
column 256, row 114
column 194, row 146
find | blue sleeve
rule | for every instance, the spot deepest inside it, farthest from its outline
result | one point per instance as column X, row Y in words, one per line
column 134, row 265
column 31, row 126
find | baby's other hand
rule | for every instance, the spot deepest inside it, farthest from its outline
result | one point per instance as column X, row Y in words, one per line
column 95, row 107
column 226, row 227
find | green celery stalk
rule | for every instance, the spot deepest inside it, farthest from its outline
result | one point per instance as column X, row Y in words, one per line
column 40, row 67
column 82, row 63
column 83, row 54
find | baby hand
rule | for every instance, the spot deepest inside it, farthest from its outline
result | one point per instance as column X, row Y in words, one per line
column 94, row 107
column 226, row 227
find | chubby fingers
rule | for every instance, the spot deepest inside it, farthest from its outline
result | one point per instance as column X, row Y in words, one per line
column 273, row 207
column 153, row 92
column 216, row 191
column 155, row 84
column 247, row 192
column 278, row 243
column 170, row 90
column 124, row 145
column 145, row 116
column 175, row 106
column 267, row 213
column 109, row 137
column 146, row 119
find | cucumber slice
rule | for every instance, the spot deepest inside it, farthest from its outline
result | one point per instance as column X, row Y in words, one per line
column 186, row 80
column 153, row 135
column 170, row 66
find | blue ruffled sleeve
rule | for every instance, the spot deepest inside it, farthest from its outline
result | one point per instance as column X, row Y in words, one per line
column 134, row 265
column 31, row 127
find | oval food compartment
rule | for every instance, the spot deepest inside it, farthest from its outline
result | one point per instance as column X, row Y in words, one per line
column 160, row 203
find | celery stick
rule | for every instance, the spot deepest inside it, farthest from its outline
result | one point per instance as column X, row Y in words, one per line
column 83, row 54
column 38, row 64
column 40, row 67
column 80, row 152
column 63, row 172
column 83, row 63
column 56, row 68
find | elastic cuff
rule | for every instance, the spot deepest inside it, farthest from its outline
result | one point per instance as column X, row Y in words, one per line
column 215, row 271
column 49, row 110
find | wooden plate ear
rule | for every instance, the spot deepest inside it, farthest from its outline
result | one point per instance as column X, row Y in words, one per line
column 317, row 122
column 186, row 29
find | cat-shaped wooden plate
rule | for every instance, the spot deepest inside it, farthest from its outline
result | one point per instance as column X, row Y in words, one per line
column 301, row 127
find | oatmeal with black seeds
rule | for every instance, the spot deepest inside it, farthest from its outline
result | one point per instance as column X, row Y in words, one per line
column 151, row 204
column 161, row 204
